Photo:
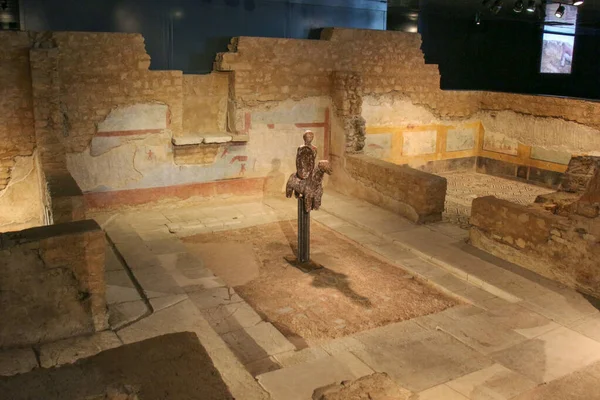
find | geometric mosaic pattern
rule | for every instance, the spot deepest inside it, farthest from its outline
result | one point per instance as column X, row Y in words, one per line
column 463, row 187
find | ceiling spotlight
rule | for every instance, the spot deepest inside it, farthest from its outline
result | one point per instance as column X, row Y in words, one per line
column 518, row 6
column 496, row 7
column 578, row 2
column 560, row 11
column 531, row 6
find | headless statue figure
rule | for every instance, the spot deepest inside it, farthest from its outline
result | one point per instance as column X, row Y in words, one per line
column 306, row 156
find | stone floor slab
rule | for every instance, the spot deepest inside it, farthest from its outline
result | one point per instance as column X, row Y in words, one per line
column 157, row 280
column 118, row 278
column 298, row 382
column 17, row 361
column 565, row 308
column 523, row 321
column 589, row 327
column 422, row 360
column 440, row 392
column 70, row 350
column 214, row 297
column 308, row 354
column 121, row 314
column 478, row 331
column 493, row 383
column 257, row 342
column 111, row 260
column 231, row 317
column 166, row 246
column 341, row 345
column 185, row 317
column 551, row 355
column 235, row 263
column 160, row 303
column 119, row 294
column 580, row 385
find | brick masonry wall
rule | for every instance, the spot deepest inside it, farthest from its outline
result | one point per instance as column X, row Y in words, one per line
column 21, row 187
column 417, row 195
column 53, row 283
column 16, row 115
column 563, row 248
column 101, row 71
column 391, row 63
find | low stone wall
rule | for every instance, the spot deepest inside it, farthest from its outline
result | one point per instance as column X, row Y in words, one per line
column 416, row 195
column 52, row 281
column 563, row 248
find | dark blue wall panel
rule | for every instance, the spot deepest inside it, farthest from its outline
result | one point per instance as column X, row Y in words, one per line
column 186, row 34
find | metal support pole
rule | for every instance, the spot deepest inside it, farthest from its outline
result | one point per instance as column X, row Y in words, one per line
column 303, row 232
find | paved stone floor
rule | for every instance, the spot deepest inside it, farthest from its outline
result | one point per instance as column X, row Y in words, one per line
column 464, row 187
column 518, row 335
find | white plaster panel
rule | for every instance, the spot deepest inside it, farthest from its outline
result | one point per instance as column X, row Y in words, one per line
column 500, row 143
column 558, row 157
column 379, row 145
column 417, row 143
column 135, row 117
column 146, row 161
column 460, row 139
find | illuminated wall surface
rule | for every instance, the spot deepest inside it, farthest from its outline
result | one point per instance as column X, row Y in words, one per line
column 186, row 34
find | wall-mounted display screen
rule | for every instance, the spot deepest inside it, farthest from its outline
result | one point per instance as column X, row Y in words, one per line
column 558, row 41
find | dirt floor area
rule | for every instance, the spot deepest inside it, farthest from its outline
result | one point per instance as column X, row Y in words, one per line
column 172, row 366
column 354, row 292
column 464, row 187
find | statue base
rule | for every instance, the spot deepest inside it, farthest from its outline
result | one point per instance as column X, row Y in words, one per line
column 306, row 267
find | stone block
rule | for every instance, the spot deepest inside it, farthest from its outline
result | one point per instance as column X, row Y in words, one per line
column 377, row 386
column 534, row 243
column 414, row 194
column 56, row 275
column 70, row 350
column 298, row 382
column 17, row 361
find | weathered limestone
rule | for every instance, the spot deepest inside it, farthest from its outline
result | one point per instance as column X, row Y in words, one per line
column 414, row 194
column 68, row 351
column 52, row 281
column 378, row 386
column 17, row 361
column 579, row 191
column 562, row 248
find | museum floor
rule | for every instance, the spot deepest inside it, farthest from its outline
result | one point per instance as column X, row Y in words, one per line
column 463, row 187
column 493, row 330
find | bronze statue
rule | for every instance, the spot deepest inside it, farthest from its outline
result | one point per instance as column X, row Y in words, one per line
column 307, row 186
column 307, row 182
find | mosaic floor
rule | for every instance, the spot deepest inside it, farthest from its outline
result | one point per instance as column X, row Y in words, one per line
column 464, row 187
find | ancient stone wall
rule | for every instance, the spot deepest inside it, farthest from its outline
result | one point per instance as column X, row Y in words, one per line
column 52, row 281
column 417, row 195
column 21, row 181
column 563, row 248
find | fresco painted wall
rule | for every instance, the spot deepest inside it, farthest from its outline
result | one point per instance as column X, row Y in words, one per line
column 133, row 148
column 417, row 145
